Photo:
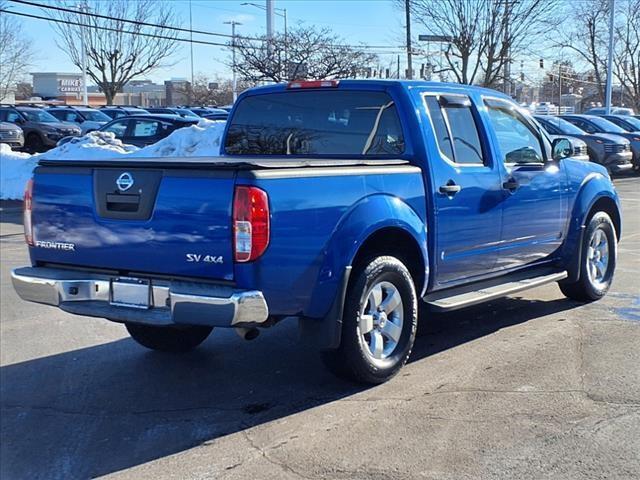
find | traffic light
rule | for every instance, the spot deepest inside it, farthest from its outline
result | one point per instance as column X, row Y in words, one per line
column 541, row 63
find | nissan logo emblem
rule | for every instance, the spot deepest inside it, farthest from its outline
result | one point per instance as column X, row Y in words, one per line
column 124, row 181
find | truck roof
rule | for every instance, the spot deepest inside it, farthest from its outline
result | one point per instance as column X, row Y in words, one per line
column 365, row 84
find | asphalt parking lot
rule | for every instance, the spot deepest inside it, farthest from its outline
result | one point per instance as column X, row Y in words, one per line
column 529, row 387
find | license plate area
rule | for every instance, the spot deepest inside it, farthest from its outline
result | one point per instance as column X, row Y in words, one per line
column 130, row 292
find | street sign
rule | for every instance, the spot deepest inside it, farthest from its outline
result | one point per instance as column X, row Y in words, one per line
column 435, row 38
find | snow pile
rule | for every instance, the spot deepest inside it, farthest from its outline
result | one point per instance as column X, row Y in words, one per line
column 201, row 140
column 92, row 146
column 15, row 170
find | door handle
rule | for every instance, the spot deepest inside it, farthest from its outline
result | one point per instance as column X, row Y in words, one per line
column 450, row 188
column 511, row 184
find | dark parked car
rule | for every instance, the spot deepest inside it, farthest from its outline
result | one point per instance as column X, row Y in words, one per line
column 143, row 130
column 216, row 116
column 595, row 124
column 626, row 122
column 87, row 118
column 614, row 110
column 611, row 151
column 183, row 112
column 41, row 129
column 116, row 111
column 204, row 111
column 12, row 135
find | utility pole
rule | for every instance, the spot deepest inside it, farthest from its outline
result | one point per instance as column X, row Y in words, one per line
column 612, row 9
column 282, row 12
column 270, row 20
column 407, row 11
column 191, row 47
column 85, row 94
column 398, row 75
column 234, row 81
column 560, row 88
column 507, row 66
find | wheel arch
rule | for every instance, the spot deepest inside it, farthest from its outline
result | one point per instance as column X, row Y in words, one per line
column 379, row 224
column 595, row 194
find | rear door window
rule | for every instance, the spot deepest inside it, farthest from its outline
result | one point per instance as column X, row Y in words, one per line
column 456, row 129
column 145, row 128
column 315, row 122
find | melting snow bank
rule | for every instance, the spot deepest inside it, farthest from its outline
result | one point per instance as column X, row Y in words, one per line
column 15, row 170
column 201, row 140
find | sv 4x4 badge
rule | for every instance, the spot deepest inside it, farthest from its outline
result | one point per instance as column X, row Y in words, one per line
column 198, row 258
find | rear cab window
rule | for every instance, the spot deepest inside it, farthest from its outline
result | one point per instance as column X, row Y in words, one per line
column 316, row 122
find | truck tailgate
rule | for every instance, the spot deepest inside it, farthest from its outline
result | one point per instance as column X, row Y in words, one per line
column 167, row 221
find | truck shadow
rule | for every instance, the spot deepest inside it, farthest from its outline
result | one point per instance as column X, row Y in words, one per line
column 98, row 410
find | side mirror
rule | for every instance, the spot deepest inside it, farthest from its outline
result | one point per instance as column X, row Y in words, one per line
column 561, row 148
column 20, row 121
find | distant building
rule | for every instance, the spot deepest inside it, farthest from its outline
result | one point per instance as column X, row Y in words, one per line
column 177, row 91
column 67, row 88
column 55, row 84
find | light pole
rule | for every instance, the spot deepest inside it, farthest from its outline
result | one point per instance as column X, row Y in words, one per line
column 85, row 94
column 612, row 8
column 407, row 11
column 234, row 82
column 269, row 8
column 281, row 12
column 191, row 49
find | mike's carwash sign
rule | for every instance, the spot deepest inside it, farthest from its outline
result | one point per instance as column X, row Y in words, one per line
column 69, row 85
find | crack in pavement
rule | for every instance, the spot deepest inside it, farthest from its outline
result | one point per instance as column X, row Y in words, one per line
column 283, row 466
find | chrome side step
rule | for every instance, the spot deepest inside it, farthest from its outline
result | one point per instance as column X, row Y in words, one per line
column 455, row 298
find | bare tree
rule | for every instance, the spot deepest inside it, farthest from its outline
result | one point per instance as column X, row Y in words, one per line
column 305, row 52
column 16, row 52
column 588, row 39
column 485, row 34
column 216, row 91
column 118, row 51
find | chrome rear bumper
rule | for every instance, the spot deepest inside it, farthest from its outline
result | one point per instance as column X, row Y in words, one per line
column 170, row 302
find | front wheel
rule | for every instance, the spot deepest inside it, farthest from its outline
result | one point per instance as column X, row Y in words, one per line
column 379, row 323
column 34, row 143
column 597, row 263
column 175, row 339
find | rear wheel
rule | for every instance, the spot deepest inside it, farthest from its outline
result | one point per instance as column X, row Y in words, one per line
column 379, row 323
column 598, row 261
column 174, row 339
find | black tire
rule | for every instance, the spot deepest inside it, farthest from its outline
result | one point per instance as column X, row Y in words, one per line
column 353, row 358
column 34, row 143
column 175, row 339
column 586, row 288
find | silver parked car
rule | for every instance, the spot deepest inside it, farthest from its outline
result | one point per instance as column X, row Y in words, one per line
column 12, row 135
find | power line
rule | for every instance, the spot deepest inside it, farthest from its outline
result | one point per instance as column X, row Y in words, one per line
column 177, row 29
column 109, row 29
column 135, row 22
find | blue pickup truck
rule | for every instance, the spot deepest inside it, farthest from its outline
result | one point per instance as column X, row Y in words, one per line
column 356, row 207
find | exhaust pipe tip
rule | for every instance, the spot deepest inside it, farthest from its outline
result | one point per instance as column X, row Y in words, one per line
column 247, row 333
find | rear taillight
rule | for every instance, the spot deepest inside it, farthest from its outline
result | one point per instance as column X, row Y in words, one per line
column 250, row 223
column 28, row 203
